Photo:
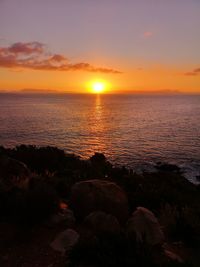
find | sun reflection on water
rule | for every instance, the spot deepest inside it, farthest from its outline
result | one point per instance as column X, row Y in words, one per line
column 98, row 126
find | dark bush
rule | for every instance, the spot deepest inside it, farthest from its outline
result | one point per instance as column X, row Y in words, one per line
column 39, row 159
column 181, row 224
column 41, row 201
column 29, row 206
column 116, row 251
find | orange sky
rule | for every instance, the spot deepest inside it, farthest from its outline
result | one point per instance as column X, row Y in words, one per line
column 133, row 45
column 131, row 80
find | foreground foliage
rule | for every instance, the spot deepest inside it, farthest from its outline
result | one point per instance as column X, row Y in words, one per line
column 35, row 180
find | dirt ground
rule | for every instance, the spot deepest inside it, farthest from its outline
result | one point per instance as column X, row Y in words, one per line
column 20, row 247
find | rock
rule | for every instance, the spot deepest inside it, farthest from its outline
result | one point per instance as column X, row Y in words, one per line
column 65, row 218
column 198, row 178
column 167, row 167
column 13, row 172
column 173, row 256
column 102, row 223
column 144, row 226
column 97, row 195
column 98, row 158
column 65, row 241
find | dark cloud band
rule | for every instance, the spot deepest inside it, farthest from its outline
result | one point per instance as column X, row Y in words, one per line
column 195, row 72
column 34, row 55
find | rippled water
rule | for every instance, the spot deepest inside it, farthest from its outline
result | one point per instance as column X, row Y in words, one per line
column 130, row 129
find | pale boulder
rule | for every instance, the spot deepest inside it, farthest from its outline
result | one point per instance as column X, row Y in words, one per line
column 144, row 226
column 65, row 241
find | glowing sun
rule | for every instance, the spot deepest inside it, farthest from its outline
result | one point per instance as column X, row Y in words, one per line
column 98, row 87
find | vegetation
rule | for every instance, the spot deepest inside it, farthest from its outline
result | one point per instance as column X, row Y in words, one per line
column 52, row 173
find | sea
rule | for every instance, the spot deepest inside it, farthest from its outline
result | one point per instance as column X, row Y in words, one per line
column 135, row 130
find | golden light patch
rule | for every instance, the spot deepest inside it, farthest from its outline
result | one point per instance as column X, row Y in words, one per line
column 98, row 87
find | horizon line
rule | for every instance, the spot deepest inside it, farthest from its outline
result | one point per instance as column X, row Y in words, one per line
column 125, row 92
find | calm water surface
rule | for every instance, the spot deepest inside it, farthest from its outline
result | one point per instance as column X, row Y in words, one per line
column 135, row 130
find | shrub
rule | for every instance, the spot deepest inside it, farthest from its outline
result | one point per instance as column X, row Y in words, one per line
column 39, row 159
column 41, row 201
column 30, row 206
column 181, row 224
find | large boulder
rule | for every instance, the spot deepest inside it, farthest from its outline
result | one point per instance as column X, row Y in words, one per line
column 99, row 223
column 97, row 195
column 144, row 226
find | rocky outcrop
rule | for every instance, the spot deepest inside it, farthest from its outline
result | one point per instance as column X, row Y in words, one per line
column 167, row 167
column 144, row 226
column 97, row 195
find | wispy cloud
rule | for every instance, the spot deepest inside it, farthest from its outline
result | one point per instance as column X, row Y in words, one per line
column 195, row 72
column 34, row 55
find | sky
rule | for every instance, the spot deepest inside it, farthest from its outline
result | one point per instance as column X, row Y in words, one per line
column 132, row 45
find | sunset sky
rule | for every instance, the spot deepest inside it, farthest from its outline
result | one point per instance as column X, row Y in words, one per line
column 133, row 45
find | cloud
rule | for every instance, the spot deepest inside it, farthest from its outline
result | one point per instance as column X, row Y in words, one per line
column 190, row 73
column 195, row 72
column 26, row 48
column 34, row 55
column 147, row 34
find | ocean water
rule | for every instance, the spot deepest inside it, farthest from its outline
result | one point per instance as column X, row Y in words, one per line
column 133, row 130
